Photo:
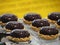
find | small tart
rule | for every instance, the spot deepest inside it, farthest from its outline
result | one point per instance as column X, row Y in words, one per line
column 53, row 17
column 7, row 17
column 13, row 25
column 38, row 23
column 28, row 18
column 19, row 35
column 48, row 33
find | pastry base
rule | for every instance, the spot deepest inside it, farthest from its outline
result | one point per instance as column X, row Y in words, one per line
column 47, row 37
column 58, row 26
column 2, row 24
column 18, row 39
column 27, row 22
column 35, row 28
column 7, row 30
column 51, row 21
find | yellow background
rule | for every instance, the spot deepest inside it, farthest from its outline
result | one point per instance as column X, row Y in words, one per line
column 21, row 7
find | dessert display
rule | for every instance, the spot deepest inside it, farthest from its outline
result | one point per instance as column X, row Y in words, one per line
column 13, row 25
column 40, row 30
column 19, row 35
column 48, row 33
column 7, row 17
column 53, row 17
column 38, row 23
column 58, row 23
column 28, row 18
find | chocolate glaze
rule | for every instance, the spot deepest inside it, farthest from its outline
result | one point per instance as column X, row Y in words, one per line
column 18, row 33
column 58, row 22
column 32, row 16
column 40, row 23
column 48, row 31
column 54, row 16
column 14, row 25
column 8, row 17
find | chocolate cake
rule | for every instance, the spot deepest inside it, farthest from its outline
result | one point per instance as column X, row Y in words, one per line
column 54, row 16
column 28, row 18
column 40, row 23
column 19, row 35
column 14, row 25
column 48, row 33
column 8, row 17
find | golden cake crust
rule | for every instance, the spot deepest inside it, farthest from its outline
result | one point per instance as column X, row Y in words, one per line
column 27, row 22
column 51, row 21
column 58, row 26
column 7, row 30
column 35, row 28
column 3, row 24
column 18, row 39
column 48, row 37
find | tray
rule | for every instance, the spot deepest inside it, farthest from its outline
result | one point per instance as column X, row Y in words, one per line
column 35, row 40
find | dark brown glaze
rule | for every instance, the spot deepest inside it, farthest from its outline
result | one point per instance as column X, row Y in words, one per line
column 58, row 22
column 14, row 25
column 18, row 33
column 32, row 16
column 40, row 23
column 54, row 16
column 48, row 31
column 8, row 17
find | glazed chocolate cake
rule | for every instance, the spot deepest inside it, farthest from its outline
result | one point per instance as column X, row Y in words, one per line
column 48, row 31
column 14, row 25
column 40, row 23
column 54, row 16
column 32, row 16
column 20, row 33
column 8, row 17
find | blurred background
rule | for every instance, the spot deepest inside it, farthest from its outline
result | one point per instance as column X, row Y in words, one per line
column 21, row 7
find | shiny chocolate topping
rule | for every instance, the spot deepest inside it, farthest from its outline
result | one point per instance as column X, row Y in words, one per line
column 58, row 22
column 54, row 16
column 14, row 25
column 40, row 23
column 18, row 33
column 8, row 17
column 32, row 16
column 48, row 31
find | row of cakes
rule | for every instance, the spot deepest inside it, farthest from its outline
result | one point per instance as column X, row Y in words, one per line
column 43, row 26
column 18, row 34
